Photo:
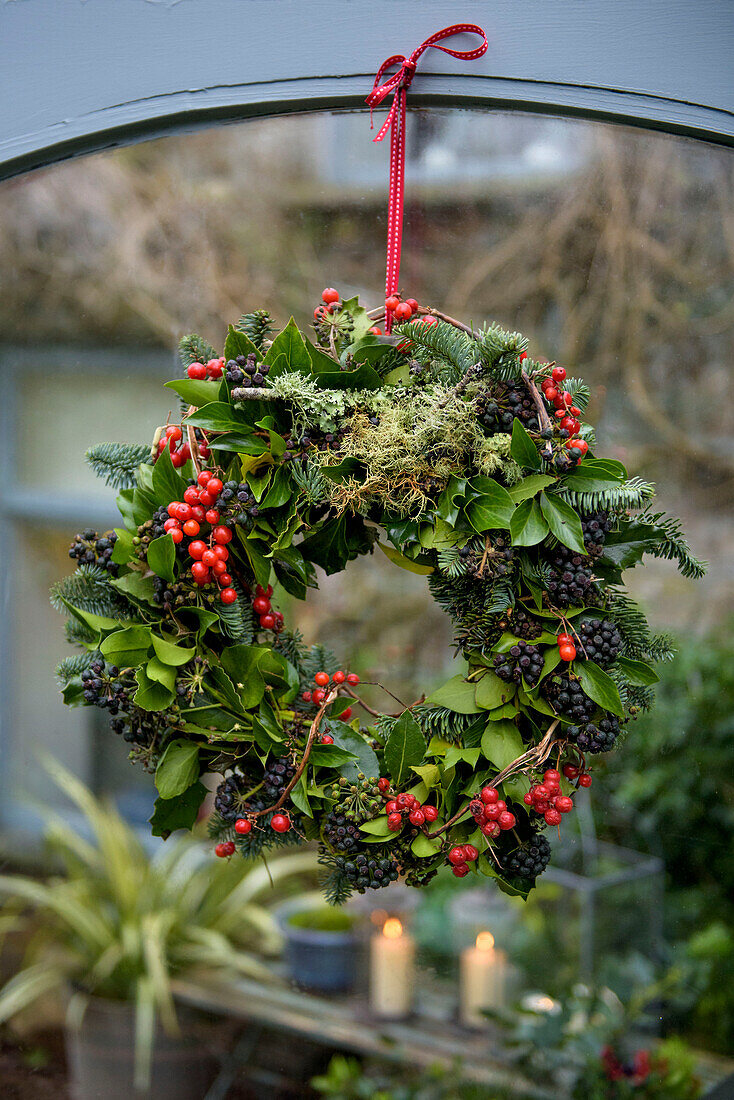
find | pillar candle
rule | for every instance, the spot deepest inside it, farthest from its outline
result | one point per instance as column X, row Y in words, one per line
column 483, row 980
column 392, row 954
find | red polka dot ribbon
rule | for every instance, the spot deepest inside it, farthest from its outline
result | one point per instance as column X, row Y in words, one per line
column 398, row 85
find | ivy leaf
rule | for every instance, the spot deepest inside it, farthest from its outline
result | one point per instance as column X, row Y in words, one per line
column 456, row 754
column 151, row 695
column 491, row 692
column 563, row 522
column 161, row 557
column 177, row 769
column 528, row 525
column 162, row 674
column 181, row 812
column 127, row 648
column 124, row 548
column 599, row 686
column 279, row 491
column 423, row 847
column 529, row 486
column 195, row 391
column 639, row 673
column 502, row 743
column 378, row 827
column 522, row 448
column 405, row 563
column 456, row 694
column 242, row 664
column 404, row 747
column 277, row 443
column 493, row 508
column 331, row 756
column 290, row 344
column 170, row 653
column 139, row 587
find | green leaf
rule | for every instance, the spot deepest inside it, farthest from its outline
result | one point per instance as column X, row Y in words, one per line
column 522, row 448
column 353, row 741
column 451, row 500
column 127, row 648
column 177, row 769
column 502, row 743
column 162, row 674
column 492, row 692
column 423, row 847
column 280, row 490
column 456, row 754
column 330, row 756
column 126, row 509
column 277, row 443
column 507, row 641
column 637, row 672
column 493, row 508
column 378, row 827
column 529, row 486
column 429, row 774
column 171, row 653
column 238, row 343
column 405, row 563
column 195, row 391
column 151, row 695
column 528, row 525
column 363, row 377
column 124, row 548
column 219, row 416
column 241, row 663
column 166, row 483
column 599, row 686
column 456, row 694
column 161, row 557
column 290, row 344
column 404, row 747
column 135, row 585
column 181, row 812
column 563, row 522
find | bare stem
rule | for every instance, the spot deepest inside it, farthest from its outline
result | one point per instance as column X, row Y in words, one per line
column 545, row 421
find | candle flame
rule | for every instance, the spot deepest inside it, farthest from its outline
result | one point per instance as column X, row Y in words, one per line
column 392, row 929
column 485, row 941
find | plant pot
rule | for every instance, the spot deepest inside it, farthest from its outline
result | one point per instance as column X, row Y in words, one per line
column 101, row 1057
column 323, row 961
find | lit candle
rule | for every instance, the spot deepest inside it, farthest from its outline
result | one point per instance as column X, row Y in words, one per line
column 392, row 953
column 483, row 980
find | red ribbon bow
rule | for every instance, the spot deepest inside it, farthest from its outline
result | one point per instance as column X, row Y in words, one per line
column 398, row 84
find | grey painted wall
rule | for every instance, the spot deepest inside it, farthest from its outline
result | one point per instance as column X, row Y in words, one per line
column 81, row 75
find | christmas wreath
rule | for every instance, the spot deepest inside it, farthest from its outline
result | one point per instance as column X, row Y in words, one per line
column 460, row 458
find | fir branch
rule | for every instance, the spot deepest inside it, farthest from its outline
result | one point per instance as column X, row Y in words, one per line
column 318, row 657
column 78, row 633
column 237, row 620
column 117, row 463
column 639, row 642
column 500, row 351
column 451, row 563
column 441, row 722
column 672, row 544
column 628, row 496
column 442, row 345
column 579, row 391
column 258, row 326
column 502, row 598
column 311, row 482
column 334, row 883
column 194, row 349
column 89, row 589
column 73, row 666
column 290, row 645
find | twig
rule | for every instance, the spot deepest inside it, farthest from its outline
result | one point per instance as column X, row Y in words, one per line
column 257, row 394
column 545, row 421
column 468, row 376
column 485, row 555
column 304, row 759
column 449, row 320
column 361, row 702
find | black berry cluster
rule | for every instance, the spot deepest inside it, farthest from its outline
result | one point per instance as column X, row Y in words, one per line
column 530, row 859
column 570, row 579
column 89, row 548
column 246, row 371
column 367, row 874
column 493, row 560
column 567, row 697
column 522, row 625
column 595, row 526
column 168, row 595
column 523, row 662
column 313, row 440
column 599, row 640
column 229, row 798
column 104, row 687
column 276, row 776
column 496, row 412
column 341, row 834
column 595, row 737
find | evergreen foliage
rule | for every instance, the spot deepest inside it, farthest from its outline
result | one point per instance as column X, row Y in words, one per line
column 671, row 543
column 258, row 326
column 73, row 666
column 117, row 462
column 88, row 589
column 194, row 349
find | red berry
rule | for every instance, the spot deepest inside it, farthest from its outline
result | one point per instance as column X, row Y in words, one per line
column 552, row 817
column 506, row 820
column 198, row 513
column 280, row 823
column 403, row 312
column 224, row 580
column 330, row 295
column 567, row 399
column 523, row 355
column 460, row 870
column 428, row 319
column 553, row 786
column 172, row 509
column 565, row 639
column 219, row 568
column 574, row 411
column 221, row 551
column 176, row 534
column 173, row 432
column 222, row 534
column 170, row 524
column 564, row 805
column 540, row 792
column 214, row 368
column 320, row 313
column 197, row 549
column 395, row 822
column 585, row 780
column 203, row 451
column 261, row 606
column 383, row 785
column 242, row 826
column 416, row 817
column 391, row 807
column 412, row 303
column 306, row 696
column 178, row 458
column 214, row 486
column 206, row 498
column 352, row 678
column 552, row 773
column 457, row 855
column 392, row 302
column 570, row 771
column 558, row 374
column 318, row 696
column 267, row 622
column 404, row 800
column 551, row 393
column 489, row 795
column 203, row 477
column 339, row 677
column 327, row 739
column 228, row 595
column 567, row 652
column 491, row 812
column 226, row 848
column 191, row 528
column 430, row 813
column 476, row 807
column 191, row 496
column 471, row 853
column 375, row 331
column 209, row 558
column 490, row 829
column 321, row 678
column 346, row 714
column 199, row 572
column 196, row 370
column 212, row 516
column 527, row 799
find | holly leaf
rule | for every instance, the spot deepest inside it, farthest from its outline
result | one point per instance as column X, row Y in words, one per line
column 242, row 664
column 423, row 847
column 404, row 747
column 166, row 484
column 290, row 344
column 639, row 673
column 522, row 448
column 177, row 769
column 181, row 812
column 195, row 391
column 364, row 755
column 161, row 557
column 528, row 525
column 238, row 343
column 502, row 743
column 599, row 686
column 563, row 522
column 456, row 694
